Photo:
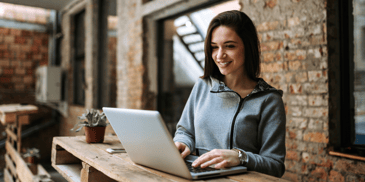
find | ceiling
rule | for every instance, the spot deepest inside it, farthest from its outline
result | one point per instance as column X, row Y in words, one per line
column 55, row 4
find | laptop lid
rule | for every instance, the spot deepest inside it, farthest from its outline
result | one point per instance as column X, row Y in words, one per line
column 148, row 142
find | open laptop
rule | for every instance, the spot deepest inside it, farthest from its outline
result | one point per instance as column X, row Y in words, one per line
column 148, row 142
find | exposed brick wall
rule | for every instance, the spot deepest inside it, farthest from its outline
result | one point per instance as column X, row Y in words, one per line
column 295, row 57
column 21, row 51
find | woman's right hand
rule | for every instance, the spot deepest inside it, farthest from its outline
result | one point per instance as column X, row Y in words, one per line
column 184, row 150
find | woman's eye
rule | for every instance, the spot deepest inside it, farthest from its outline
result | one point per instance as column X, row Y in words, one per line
column 230, row 46
column 214, row 47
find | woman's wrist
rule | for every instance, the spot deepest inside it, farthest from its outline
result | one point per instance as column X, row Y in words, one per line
column 242, row 156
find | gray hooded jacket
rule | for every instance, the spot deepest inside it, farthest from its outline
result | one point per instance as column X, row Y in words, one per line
column 216, row 117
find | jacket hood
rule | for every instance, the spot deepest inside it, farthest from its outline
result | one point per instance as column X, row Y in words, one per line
column 262, row 86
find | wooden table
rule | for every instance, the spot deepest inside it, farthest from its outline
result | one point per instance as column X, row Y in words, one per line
column 78, row 161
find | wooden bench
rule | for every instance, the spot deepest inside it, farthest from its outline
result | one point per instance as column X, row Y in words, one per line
column 78, row 161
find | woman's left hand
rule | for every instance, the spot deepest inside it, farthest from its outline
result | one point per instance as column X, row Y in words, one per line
column 220, row 157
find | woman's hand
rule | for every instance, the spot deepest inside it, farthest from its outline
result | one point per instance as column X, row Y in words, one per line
column 184, row 150
column 220, row 157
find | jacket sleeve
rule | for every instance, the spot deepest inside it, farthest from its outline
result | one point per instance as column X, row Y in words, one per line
column 271, row 135
column 185, row 130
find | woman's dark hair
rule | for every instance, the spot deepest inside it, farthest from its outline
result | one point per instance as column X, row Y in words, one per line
column 245, row 29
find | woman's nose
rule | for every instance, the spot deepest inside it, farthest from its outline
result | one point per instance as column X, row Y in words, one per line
column 220, row 54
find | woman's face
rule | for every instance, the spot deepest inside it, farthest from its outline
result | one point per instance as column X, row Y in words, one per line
column 228, row 51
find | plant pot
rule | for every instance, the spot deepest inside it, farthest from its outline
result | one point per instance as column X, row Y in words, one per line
column 95, row 134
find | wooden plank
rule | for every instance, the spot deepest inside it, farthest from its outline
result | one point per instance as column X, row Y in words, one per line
column 22, row 169
column 106, row 163
column 61, row 156
column 11, row 134
column 347, row 155
column 71, row 172
column 90, row 174
column 253, row 176
column 10, row 165
column 7, row 176
column 23, row 119
column 19, row 137
column 42, row 171
column 7, row 118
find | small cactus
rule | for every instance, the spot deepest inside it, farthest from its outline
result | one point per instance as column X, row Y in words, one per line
column 93, row 119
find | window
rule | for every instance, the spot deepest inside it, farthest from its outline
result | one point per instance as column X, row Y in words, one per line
column 351, row 77
column 79, row 59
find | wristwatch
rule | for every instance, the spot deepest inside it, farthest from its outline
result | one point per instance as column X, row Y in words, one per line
column 242, row 156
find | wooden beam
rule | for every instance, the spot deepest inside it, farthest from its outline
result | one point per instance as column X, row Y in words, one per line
column 22, row 169
column 10, row 165
column 90, row 174
column 7, row 176
column 11, row 134
column 23, row 119
column 61, row 156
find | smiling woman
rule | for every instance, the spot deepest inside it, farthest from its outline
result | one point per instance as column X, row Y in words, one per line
column 232, row 116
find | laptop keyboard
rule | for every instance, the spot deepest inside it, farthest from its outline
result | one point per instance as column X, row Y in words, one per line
column 198, row 169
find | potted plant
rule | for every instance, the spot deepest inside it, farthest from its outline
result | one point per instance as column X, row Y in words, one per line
column 95, row 124
column 31, row 157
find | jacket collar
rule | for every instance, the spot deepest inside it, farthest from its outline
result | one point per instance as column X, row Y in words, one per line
column 262, row 86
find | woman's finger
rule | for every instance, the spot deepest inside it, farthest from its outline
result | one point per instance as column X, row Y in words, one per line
column 222, row 164
column 185, row 153
column 212, row 162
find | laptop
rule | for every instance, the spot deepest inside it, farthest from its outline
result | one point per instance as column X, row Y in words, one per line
column 147, row 141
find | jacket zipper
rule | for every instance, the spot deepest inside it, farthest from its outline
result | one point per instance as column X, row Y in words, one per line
column 234, row 120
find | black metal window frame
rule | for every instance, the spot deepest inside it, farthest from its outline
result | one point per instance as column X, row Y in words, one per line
column 347, row 102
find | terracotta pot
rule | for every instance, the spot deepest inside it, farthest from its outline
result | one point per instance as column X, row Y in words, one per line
column 94, row 134
column 31, row 160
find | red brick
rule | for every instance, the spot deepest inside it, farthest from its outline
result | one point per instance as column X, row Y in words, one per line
column 318, row 100
column 20, row 40
column 26, row 33
column 25, row 48
column 27, row 64
column 316, row 88
column 28, row 79
column 293, row 21
column 295, row 88
column 8, row 71
column 35, row 49
column 292, row 155
column 318, row 40
column 320, row 173
column 301, row 77
column 19, row 86
column 20, row 71
column 336, row 176
column 3, row 47
column 271, row 3
column 9, row 39
column 45, row 41
column 15, row 32
column 272, row 67
column 267, row 26
column 295, row 65
column 37, row 56
column 315, row 76
column 30, row 71
column 4, row 31
column 318, row 137
column 269, row 57
column 5, row 79
column 4, row 62
column 272, row 46
column 17, row 79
